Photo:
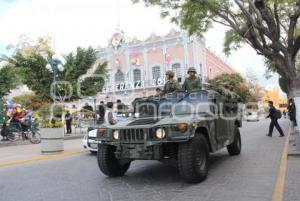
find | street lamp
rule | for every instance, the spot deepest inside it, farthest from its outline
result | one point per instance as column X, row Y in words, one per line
column 55, row 65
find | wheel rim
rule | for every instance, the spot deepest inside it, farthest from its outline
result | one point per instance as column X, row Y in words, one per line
column 12, row 136
column 35, row 137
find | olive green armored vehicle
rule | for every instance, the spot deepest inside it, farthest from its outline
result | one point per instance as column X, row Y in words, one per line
column 183, row 128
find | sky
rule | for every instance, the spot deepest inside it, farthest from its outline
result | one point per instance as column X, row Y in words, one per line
column 82, row 23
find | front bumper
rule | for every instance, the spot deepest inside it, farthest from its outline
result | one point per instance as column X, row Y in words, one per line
column 90, row 144
column 138, row 152
column 141, row 143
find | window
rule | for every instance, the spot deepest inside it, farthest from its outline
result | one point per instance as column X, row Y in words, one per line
column 137, row 75
column 156, row 72
column 176, row 68
column 119, row 77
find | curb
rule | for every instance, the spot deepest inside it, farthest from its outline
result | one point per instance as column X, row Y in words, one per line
column 17, row 143
column 293, row 152
column 73, row 137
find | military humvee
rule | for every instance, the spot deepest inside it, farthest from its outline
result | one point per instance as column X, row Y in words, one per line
column 182, row 127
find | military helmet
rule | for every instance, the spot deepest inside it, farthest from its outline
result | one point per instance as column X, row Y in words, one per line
column 192, row 69
column 170, row 73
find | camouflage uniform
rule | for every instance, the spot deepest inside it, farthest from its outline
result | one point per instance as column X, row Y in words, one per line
column 171, row 85
column 192, row 83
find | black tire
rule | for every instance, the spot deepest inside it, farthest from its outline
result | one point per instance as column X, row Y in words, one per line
column 11, row 136
column 34, row 137
column 93, row 152
column 236, row 147
column 193, row 159
column 108, row 163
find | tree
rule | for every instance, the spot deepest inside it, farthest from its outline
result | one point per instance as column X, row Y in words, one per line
column 253, row 85
column 31, row 59
column 78, row 65
column 29, row 100
column 8, row 80
column 33, row 73
column 271, row 27
column 234, row 82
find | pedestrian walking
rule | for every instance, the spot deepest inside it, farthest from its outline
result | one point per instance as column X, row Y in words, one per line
column 68, row 119
column 274, row 115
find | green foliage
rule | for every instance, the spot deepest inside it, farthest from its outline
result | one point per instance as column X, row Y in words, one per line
column 56, row 124
column 8, row 80
column 33, row 72
column 77, row 65
column 233, row 82
column 44, row 112
column 232, row 41
column 31, row 63
column 29, row 101
column 270, row 27
column 283, row 85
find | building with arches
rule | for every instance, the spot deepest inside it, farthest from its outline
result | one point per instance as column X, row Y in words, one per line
column 139, row 66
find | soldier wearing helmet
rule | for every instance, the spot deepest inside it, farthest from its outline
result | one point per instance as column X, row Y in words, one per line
column 192, row 83
column 171, row 84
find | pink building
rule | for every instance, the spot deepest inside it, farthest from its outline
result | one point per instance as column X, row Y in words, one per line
column 137, row 67
column 216, row 66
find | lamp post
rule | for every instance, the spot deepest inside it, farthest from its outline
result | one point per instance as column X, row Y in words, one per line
column 55, row 64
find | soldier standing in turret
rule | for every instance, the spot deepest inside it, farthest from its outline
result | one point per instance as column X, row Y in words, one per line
column 192, row 83
column 171, row 85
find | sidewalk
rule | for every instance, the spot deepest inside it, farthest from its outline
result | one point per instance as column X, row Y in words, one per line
column 74, row 135
column 292, row 180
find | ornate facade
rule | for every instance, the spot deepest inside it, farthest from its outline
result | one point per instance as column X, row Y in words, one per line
column 138, row 67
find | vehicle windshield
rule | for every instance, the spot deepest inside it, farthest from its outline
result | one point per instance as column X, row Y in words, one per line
column 179, row 104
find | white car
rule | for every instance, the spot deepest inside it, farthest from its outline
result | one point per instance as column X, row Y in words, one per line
column 88, row 141
column 252, row 116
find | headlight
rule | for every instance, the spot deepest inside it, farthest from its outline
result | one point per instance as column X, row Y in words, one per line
column 116, row 134
column 160, row 133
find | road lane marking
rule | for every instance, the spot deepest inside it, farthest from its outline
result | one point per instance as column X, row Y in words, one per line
column 280, row 181
column 41, row 158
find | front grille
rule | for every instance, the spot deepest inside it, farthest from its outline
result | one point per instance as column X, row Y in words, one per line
column 132, row 135
column 92, row 138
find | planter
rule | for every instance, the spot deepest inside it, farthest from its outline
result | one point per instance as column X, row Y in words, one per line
column 52, row 140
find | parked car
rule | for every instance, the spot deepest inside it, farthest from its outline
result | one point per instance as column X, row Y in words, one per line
column 88, row 141
column 169, row 128
column 252, row 116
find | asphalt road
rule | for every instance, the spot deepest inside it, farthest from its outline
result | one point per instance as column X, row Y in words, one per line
column 250, row 176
